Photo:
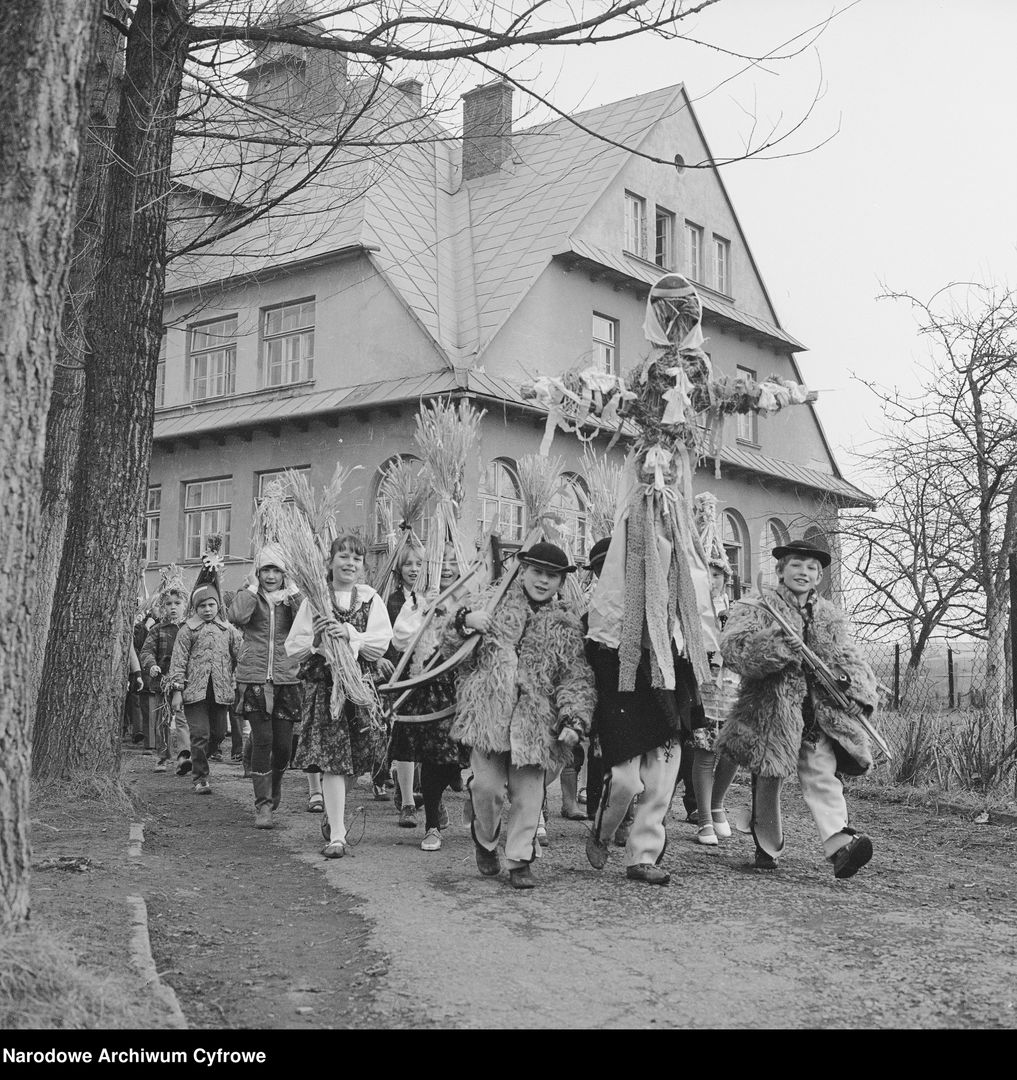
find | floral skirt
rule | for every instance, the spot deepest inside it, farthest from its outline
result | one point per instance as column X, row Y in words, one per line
column 350, row 744
column 429, row 740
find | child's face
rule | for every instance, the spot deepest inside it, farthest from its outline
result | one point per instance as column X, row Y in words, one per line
column 801, row 574
column 410, row 570
column 208, row 609
column 449, row 568
column 270, row 578
column 346, row 567
column 539, row 583
column 173, row 608
column 717, row 581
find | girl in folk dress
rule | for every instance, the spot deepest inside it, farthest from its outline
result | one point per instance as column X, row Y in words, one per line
column 343, row 747
column 441, row 758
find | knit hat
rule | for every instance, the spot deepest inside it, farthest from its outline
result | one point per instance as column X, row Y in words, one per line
column 270, row 555
column 203, row 593
column 548, row 557
column 598, row 553
column 814, row 549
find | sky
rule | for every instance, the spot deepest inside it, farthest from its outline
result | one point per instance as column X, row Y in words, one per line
column 915, row 187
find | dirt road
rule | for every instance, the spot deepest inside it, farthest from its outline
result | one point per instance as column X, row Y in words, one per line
column 258, row 928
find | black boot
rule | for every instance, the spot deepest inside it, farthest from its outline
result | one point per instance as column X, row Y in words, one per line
column 262, row 800
column 277, row 775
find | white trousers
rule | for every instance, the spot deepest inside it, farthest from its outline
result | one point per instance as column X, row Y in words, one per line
column 494, row 777
column 652, row 776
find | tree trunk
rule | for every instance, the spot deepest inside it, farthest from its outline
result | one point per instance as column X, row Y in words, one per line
column 997, row 616
column 81, row 699
column 43, row 54
column 67, row 401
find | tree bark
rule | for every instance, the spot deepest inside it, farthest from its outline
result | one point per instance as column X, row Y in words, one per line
column 43, row 55
column 81, row 698
column 67, row 400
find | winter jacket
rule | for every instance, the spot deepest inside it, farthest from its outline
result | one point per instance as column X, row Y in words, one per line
column 265, row 625
column 526, row 680
column 765, row 727
column 157, row 649
column 203, row 651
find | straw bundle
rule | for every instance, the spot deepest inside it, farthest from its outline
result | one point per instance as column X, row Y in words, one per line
column 269, row 516
column 605, row 487
column 446, row 435
column 320, row 515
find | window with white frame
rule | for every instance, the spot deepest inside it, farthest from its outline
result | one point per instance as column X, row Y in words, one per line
column 694, row 251
column 213, row 358
column 153, row 509
column 605, row 343
column 207, row 506
column 570, row 504
column 722, row 264
column 746, row 427
column 775, row 534
column 635, row 224
column 270, row 475
column 735, row 538
column 160, row 375
column 385, row 522
column 501, row 502
column 663, row 252
column 288, row 343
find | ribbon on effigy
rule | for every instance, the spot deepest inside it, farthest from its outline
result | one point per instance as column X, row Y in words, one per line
column 678, row 398
column 657, row 460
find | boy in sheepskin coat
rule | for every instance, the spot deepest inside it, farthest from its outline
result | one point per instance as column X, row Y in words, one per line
column 783, row 722
column 524, row 701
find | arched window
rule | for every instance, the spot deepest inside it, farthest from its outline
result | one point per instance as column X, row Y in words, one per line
column 735, row 538
column 774, row 535
column 570, row 504
column 501, row 502
column 815, row 535
column 383, row 521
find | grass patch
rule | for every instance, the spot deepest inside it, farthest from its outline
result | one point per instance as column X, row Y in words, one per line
column 42, row 985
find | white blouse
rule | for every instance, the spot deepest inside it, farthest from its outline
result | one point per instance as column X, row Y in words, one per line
column 300, row 640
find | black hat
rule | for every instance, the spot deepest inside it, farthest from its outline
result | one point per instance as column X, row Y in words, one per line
column 547, row 556
column 814, row 549
column 598, row 553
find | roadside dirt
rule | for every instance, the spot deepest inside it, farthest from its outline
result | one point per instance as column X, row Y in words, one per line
column 253, row 929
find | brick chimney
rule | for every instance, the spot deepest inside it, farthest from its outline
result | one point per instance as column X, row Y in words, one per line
column 487, row 128
column 413, row 89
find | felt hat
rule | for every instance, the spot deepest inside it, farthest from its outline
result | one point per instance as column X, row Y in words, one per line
column 270, row 555
column 548, row 557
column 810, row 549
column 598, row 553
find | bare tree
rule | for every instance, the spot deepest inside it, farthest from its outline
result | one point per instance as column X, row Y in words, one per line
column 936, row 553
column 243, row 156
column 43, row 56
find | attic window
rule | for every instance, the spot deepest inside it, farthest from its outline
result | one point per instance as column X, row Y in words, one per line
column 663, row 254
column 635, row 224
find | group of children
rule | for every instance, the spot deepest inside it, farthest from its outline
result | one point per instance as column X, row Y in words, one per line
column 517, row 708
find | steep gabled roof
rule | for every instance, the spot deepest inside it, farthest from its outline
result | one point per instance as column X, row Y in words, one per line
column 524, row 214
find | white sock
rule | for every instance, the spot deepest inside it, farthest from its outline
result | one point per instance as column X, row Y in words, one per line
column 404, row 773
column 333, row 788
column 313, row 783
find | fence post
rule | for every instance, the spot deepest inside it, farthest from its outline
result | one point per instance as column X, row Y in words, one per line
column 896, row 676
column 949, row 675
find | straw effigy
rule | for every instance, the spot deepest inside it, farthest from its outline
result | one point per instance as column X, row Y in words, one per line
column 304, row 531
column 446, row 435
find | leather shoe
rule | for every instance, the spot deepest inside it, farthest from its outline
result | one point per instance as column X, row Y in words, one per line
column 597, row 852
column 652, row 875
column 522, row 878
column 763, row 861
column 488, row 862
column 852, row 857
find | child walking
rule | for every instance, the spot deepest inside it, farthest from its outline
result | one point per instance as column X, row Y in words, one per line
column 782, row 721
column 524, row 701
column 201, row 675
column 156, row 659
column 343, row 747
column 268, row 691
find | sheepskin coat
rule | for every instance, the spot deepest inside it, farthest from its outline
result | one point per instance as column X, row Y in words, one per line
column 526, row 680
column 764, row 730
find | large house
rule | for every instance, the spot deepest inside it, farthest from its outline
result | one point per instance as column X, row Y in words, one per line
column 463, row 268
